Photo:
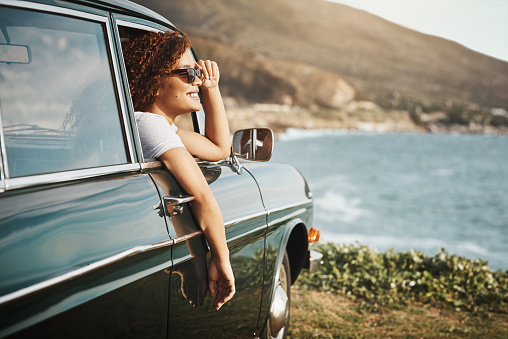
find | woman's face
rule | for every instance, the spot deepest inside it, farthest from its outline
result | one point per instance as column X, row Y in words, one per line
column 177, row 96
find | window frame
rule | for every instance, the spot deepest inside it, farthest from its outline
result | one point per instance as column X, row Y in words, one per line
column 131, row 165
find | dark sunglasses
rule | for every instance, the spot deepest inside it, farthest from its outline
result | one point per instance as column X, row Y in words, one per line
column 192, row 73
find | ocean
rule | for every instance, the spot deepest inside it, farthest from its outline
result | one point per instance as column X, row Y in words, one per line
column 406, row 191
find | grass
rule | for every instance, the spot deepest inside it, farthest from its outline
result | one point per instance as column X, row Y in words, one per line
column 360, row 293
column 317, row 314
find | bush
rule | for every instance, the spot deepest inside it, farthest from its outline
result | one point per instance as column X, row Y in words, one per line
column 390, row 278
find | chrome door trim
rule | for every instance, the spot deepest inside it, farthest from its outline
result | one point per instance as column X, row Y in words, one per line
column 286, row 207
column 243, row 219
column 226, row 224
column 58, row 177
column 130, row 252
column 245, row 234
column 287, row 217
column 188, row 236
column 83, row 270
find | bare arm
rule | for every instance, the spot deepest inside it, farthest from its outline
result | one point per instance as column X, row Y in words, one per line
column 216, row 145
column 207, row 212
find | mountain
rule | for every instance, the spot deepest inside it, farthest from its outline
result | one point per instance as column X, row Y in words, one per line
column 322, row 55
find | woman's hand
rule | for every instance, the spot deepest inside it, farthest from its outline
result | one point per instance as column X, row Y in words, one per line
column 220, row 272
column 210, row 73
column 216, row 144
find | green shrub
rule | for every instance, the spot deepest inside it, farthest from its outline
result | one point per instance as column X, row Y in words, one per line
column 394, row 279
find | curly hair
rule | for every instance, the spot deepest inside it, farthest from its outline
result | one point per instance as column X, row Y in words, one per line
column 148, row 58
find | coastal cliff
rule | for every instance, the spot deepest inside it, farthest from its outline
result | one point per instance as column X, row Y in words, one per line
column 317, row 64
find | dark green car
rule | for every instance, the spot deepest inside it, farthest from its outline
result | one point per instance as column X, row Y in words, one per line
column 95, row 240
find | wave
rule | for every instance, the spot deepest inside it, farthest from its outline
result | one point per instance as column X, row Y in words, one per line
column 297, row 134
column 386, row 242
column 443, row 172
column 336, row 207
column 292, row 134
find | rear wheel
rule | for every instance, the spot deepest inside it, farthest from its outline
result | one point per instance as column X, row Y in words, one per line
column 278, row 319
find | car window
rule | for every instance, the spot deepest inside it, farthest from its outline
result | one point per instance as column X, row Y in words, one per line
column 191, row 122
column 59, row 111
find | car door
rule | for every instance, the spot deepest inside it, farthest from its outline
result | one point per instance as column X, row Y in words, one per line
column 84, row 251
column 191, row 314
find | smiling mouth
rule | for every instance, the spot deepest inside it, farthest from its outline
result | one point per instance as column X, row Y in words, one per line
column 193, row 95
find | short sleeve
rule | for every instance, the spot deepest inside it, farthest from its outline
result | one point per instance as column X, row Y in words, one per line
column 156, row 134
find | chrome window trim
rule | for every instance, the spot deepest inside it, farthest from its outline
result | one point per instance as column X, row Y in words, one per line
column 52, row 9
column 4, row 170
column 151, row 164
column 58, row 177
column 83, row 270
column 119, row 93
column 120, row 22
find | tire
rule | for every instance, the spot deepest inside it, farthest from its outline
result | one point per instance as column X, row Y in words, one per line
column 277, row 323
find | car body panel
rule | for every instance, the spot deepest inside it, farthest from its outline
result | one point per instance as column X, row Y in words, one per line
column 51, row 234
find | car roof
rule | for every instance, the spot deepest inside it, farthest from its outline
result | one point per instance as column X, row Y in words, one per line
column 119, row 6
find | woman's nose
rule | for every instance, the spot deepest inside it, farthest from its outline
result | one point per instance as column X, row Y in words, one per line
column 198, row 81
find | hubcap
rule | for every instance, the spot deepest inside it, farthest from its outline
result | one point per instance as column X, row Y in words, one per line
column 279, row 311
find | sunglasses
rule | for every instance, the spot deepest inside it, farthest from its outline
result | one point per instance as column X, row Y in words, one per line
column 192, row 73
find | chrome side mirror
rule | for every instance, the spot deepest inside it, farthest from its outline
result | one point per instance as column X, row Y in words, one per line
column 253, row 144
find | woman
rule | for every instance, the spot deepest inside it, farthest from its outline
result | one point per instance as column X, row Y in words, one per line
column 164, row 80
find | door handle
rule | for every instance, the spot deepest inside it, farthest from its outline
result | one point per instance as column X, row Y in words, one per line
column 174, row 204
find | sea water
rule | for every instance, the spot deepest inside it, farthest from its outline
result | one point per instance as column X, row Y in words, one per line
column 406, row 191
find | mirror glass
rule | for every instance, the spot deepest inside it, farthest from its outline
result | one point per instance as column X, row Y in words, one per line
column 259, row 150
column 18, row 54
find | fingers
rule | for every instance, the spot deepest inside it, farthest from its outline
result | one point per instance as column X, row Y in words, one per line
column 211, row 287
column 202, row 293
column 222, row 275
column 210, row 71
column 224, row 294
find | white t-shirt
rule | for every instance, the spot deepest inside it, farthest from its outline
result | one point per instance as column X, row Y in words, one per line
column 156, row 134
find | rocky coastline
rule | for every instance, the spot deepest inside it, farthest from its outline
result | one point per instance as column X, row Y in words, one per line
column 356, row 116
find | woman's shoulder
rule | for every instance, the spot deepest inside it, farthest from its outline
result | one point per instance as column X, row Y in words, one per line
column 147, row 121
column 148, row 116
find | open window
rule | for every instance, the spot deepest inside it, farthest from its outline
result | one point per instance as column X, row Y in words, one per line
column 193, row 121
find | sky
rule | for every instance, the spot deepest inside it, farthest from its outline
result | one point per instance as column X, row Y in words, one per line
column 481, row 25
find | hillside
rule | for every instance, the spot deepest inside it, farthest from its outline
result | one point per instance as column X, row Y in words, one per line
column 321, row 56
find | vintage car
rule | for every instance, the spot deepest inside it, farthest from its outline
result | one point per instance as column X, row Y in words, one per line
column 95, row 240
